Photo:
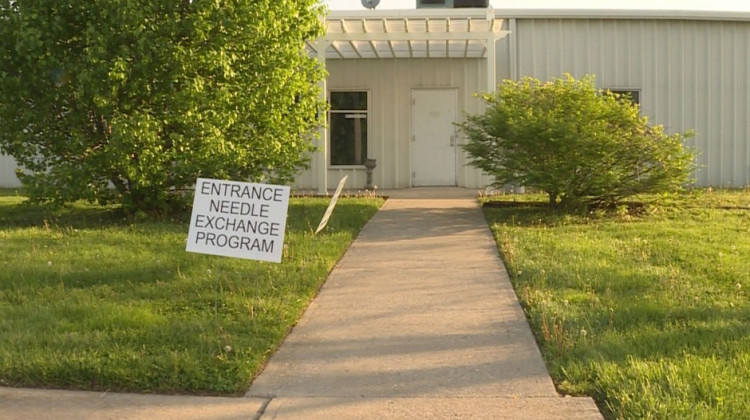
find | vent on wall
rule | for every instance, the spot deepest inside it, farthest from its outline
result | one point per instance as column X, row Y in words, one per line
column 451, row 4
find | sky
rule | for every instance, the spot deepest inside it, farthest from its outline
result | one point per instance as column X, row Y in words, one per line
column 709, row 5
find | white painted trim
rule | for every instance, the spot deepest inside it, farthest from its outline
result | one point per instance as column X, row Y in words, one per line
column 467, row 12
column 321, row 155
column 383, row 34
column 412, row 36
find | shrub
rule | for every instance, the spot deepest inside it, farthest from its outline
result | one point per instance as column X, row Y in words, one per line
column 130, row 100
column 574, row 142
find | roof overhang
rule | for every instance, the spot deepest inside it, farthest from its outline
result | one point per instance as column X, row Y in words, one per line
column 612, row 13
column 424, row 33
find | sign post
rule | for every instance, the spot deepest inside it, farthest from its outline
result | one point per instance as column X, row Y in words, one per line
column 331, row 205
column 238, row 219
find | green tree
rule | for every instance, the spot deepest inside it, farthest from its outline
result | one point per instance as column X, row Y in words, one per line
column 130, row 100
column 574, row 142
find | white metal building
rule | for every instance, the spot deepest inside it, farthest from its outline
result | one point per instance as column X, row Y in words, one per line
column 415, row 73
column 8, row 178
column 399, row 79
column 691, row 70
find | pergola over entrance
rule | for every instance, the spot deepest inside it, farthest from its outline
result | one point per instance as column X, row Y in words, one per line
column 396, row 34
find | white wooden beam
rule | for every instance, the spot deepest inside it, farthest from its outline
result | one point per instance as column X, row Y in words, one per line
column 491, row 53
column 321, row 154
column 406, row 36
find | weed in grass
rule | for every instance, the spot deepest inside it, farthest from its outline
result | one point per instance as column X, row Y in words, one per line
column 553, row 332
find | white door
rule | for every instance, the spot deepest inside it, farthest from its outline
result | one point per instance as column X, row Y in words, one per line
column 434, row 137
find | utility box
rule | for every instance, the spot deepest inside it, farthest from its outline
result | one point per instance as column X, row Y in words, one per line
column 451, row 4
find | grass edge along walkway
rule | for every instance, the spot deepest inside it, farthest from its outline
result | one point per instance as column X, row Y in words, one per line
column 93, row 300
column 648, row 314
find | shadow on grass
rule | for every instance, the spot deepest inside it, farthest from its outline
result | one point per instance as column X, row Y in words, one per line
column 304, row 214
column 531, row 215
column 92, row 299
column 24, row 215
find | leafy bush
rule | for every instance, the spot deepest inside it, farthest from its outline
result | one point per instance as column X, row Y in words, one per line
column 146, row 95
column 574, row 142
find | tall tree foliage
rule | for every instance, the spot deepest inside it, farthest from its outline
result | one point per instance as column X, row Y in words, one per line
column 131, row 100
column 575, row 142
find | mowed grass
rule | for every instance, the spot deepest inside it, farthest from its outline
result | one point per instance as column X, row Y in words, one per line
column 92, row 300
column 648, row 314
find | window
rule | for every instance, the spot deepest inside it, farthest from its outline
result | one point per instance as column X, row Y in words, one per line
column 633, row 95
column 431, row 2
column 470, row 3
column 348, row 128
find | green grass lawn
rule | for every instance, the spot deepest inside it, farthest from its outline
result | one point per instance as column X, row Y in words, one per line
column 649, row 314
column 90, row 299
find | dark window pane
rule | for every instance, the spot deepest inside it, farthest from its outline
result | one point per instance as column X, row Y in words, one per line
column 349, row 101
column 470, row 3
column 348, row 138
column 632, row 95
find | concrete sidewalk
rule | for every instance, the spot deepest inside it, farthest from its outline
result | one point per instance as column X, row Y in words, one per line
column 418, row 320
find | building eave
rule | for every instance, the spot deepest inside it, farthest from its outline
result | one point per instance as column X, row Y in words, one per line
column 424, row 33
column 513, row 13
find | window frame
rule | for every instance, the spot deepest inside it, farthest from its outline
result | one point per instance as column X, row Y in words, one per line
column 332, row 111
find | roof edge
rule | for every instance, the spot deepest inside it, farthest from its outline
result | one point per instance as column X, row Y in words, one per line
column 512, row 13
column 412, row 13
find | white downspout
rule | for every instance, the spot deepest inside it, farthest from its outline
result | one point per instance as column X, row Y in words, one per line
column 513, row 48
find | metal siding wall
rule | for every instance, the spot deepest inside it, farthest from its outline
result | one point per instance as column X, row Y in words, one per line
column 692, row 75
column 8, row 178
column 390, row 82
column 503, row 53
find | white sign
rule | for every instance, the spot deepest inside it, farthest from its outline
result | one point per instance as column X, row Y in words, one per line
column 238, row 219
